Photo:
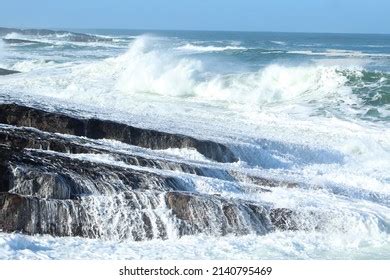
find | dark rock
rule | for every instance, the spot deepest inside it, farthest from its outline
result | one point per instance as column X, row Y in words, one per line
column 48, row 187
column 4, row 72
column 19, row 41
column 197, row 213
column 284, row 219
column 18, row 115
column 260, row 181
column 20, row 138
column 34, row 216
column 85, row 218
column 48, row 175
column 94, row 218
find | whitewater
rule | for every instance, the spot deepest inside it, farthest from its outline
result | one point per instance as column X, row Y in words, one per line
column 307, row 108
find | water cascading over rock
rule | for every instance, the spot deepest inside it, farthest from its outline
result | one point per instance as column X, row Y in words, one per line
column 57, row 178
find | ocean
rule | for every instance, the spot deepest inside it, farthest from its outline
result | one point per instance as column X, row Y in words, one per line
column 313, row 109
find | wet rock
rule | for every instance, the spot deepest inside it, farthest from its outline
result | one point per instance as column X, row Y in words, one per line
column 284, row 219
column 137, row 216
column 35, row 216
column 4, row 72
column 13, row 114
column 86, row 218
column 261, row 181
column 71, row 184
column 21, row 138
column 46, row 175
column 197, row 213
column 19, row 41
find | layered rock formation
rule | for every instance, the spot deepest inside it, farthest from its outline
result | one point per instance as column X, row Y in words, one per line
column 58, row 177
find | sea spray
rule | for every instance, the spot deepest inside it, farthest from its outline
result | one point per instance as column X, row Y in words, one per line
column 311, row 111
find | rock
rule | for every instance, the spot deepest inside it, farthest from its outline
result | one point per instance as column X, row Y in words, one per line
column 31, row 215
column 197, row 213
column 20, row 138
column 4, row 72
column 48, row 175
column 13, row 114
column 284, row 219
column 19, row 41
column 137, row 216
column 75, row 185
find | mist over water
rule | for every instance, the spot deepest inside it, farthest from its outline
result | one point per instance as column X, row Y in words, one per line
column 305, row 108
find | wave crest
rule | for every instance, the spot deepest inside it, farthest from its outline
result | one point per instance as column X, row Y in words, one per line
column 147, row 69
column 150, row 67
column 210, row 48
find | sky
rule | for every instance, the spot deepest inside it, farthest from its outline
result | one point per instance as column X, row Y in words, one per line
column 336, row 16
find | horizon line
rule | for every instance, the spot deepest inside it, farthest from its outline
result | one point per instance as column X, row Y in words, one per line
column 194, row 30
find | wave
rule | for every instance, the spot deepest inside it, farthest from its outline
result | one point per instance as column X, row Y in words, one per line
column 146, row 70
column 149, row 68
column 29, row 65
column 70, row 39
column 70, row 36
column 211, row 48
column 281, row 43
column 276, row 83
column 338, row 53
column 372, row 86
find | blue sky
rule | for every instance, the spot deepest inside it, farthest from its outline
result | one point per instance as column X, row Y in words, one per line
column 357, row 16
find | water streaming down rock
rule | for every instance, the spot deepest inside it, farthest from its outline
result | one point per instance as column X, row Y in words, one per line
column 64, row 185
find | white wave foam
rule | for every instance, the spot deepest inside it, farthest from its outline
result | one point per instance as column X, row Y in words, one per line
column 276, row 83
column 186, row 153
column 29, row 65
column 149, row 69
column 12, row 35
column 62, row 39
column 338, row 53
column 278, row 245
column 281, row 43
column 211, row 48
column 146, row 70
column 63, row 35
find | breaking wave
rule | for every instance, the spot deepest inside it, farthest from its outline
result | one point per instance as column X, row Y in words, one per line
column 211, row 48
column 151, row 68
column 144, row 69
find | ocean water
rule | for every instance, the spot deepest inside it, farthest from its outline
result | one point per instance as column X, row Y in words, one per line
column 308, row 108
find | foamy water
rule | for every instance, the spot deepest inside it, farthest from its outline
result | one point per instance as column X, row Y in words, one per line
column 291, row 108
